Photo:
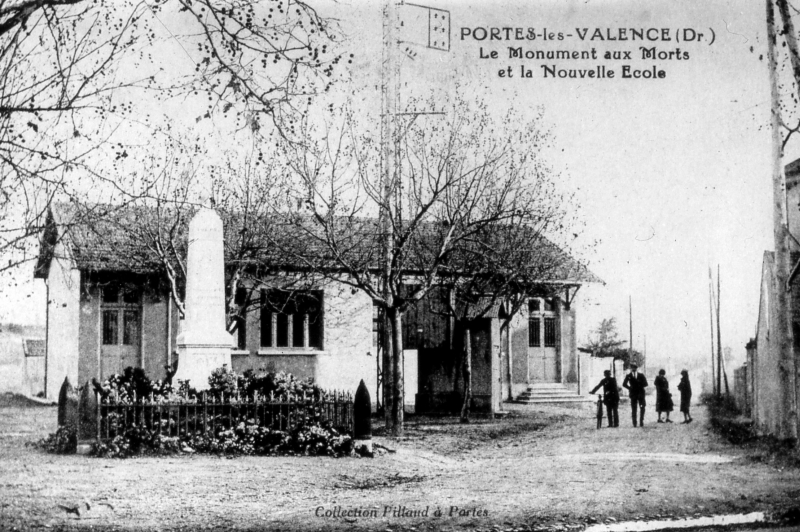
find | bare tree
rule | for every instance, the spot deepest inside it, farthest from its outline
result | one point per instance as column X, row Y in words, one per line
column 497, row 271
column 57, row 81
column 71, row 106
column 464, row 179
column 154, row 227
column 258, row 59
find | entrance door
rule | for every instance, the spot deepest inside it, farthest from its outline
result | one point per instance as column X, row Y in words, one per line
column 551, row 371
column 481, row 339
column 120, row 336
column 544, row 365
column 543, row 352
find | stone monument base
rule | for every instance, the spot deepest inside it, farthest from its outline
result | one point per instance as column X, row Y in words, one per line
column 197, row 362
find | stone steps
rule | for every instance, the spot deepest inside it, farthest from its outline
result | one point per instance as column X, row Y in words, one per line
column 551, row 393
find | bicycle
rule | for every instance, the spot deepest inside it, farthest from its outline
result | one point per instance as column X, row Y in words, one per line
column 599, row 411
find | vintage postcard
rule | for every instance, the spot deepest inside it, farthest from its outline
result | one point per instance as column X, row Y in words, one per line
column 447, row 265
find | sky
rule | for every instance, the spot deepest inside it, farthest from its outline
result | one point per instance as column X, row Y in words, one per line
column 671, row 176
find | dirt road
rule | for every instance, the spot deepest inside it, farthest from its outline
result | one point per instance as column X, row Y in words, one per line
column 539, row 468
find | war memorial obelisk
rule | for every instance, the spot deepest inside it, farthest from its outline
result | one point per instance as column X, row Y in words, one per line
column 203, row 344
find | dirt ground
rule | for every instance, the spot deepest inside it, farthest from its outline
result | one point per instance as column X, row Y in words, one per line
column 539, row 468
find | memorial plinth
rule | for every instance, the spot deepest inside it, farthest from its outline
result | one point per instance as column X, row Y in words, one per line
column 203, row 344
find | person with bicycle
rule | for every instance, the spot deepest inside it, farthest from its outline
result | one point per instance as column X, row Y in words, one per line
column 610, row 398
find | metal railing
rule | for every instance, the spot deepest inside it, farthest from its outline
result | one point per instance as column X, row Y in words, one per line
column 207, row 413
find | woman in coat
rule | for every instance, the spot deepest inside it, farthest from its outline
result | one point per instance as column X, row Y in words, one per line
column 685, row 388
column 663, row 397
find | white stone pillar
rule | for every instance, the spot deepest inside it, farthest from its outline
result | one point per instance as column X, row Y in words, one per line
column 204, row 344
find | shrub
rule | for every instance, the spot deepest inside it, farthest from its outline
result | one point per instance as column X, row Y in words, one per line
column 725, row 418
column 321, row 440
column 62, row 441
column 312, row 434
column 247, row 438
column 224, row 381
column 720, row 406
column 136, row 441
column 133, row 384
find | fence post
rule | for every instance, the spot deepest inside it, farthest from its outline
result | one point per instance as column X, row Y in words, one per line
column 362, row 420
column 87, row 419
column 67, row 405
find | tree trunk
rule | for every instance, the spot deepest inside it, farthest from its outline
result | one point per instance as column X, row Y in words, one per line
column 388, row 371
column 398, row 398
column 783, row 332
column 467, row 371
column 719, row 341
column 791, row 358
column 505, row 347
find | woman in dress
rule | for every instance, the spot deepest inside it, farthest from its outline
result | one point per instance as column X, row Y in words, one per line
column 685, row 388
column 663, row 397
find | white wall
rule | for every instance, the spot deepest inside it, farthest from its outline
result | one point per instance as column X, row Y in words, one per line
column 592, row 369
column 349, row 354
column 12, row 364
column 63, row 315
column 410, row 376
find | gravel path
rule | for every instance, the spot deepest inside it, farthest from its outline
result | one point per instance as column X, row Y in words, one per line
column 537, row 468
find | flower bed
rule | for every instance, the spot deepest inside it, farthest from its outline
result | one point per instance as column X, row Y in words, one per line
column 248, row 414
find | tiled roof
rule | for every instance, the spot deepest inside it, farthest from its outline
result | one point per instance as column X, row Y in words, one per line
column 107, row 238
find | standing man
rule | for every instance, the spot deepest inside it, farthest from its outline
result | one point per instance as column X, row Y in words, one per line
column 635, row 383
column 610, row 397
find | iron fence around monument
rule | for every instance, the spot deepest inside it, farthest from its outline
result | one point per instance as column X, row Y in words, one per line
column 208, row 413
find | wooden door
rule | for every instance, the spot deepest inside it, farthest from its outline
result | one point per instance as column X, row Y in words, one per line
column 481, row 339
column 544, row 356
column 120, row 330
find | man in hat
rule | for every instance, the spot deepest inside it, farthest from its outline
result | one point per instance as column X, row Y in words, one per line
column 635, row 383
column 610, row 397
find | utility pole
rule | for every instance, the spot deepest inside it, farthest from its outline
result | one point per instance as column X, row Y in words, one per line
column 782, row 329
column 389, row 173
column 437, row 37
column 719, row 341
column 630, row 330
column 711, row 319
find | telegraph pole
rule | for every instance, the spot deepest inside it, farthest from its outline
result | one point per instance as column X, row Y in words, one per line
column 630, row 331
column 437, row 37
column 389, row 173
column 711, row 319
column 719, row 339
